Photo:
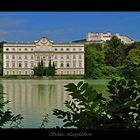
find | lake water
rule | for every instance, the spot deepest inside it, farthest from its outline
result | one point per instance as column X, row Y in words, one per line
column 33, row 99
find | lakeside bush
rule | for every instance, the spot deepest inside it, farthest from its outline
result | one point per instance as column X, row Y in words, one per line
column 7, row 117
column 89, row 109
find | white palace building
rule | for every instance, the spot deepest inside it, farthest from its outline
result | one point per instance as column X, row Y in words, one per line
column 20, row 58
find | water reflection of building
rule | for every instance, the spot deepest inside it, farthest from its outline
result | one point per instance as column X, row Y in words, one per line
column 33, row 99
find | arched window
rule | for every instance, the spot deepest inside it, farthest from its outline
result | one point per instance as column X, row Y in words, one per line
column 19, row 65
column 61, row 64
column 68, row 64
column 19, row 72
column 26, row 72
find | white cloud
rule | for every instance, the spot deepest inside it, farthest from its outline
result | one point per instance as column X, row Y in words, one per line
column 7, row 22
column 3, row 33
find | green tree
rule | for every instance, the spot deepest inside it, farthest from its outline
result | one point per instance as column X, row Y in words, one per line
column 90, row 109
column 131, row 65
column 114, row 52
column 94, row 60
column 51, row 69
column 40, row 69
column 1, row 57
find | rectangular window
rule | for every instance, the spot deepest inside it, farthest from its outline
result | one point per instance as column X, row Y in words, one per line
column 61, row 64
column 13, row 56
column 74, row 64
column 13, row 72
column 7, row 64
column 80, row 64
column 32, row 72
column 19, row 72
column 26, row 73
column 62, row 57
column 55, row 57
column 13, row 65
column 7, row 56
column 68, row 57
column 32, row 64
column 55, row 63
column 49, row 57
column 80, row 56
column 26, row 57
column 26, row 64
column 7, row 72
column 38, row 58
column 74, row 56
column 32, row 56
column 19, row 57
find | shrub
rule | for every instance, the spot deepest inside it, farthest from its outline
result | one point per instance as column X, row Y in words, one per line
column 6, row 116
column 90, row 109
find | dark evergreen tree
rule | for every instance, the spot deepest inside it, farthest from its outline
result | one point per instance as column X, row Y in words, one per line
column 114, row 53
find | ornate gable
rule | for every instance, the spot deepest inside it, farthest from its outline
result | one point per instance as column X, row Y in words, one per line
column 43, row 45
column 43, row 42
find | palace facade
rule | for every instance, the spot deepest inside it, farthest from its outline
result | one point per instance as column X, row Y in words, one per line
column 20, row 58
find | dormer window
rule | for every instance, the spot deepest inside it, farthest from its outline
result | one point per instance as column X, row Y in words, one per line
column 67, row 49
column 55, row 49
column 7, row 49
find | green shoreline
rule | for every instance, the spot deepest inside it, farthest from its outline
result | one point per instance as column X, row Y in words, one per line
column 40, row 78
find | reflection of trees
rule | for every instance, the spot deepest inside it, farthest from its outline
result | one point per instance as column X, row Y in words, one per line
column 41, row 89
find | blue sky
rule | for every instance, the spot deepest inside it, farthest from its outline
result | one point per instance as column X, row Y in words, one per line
column 66, row 26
